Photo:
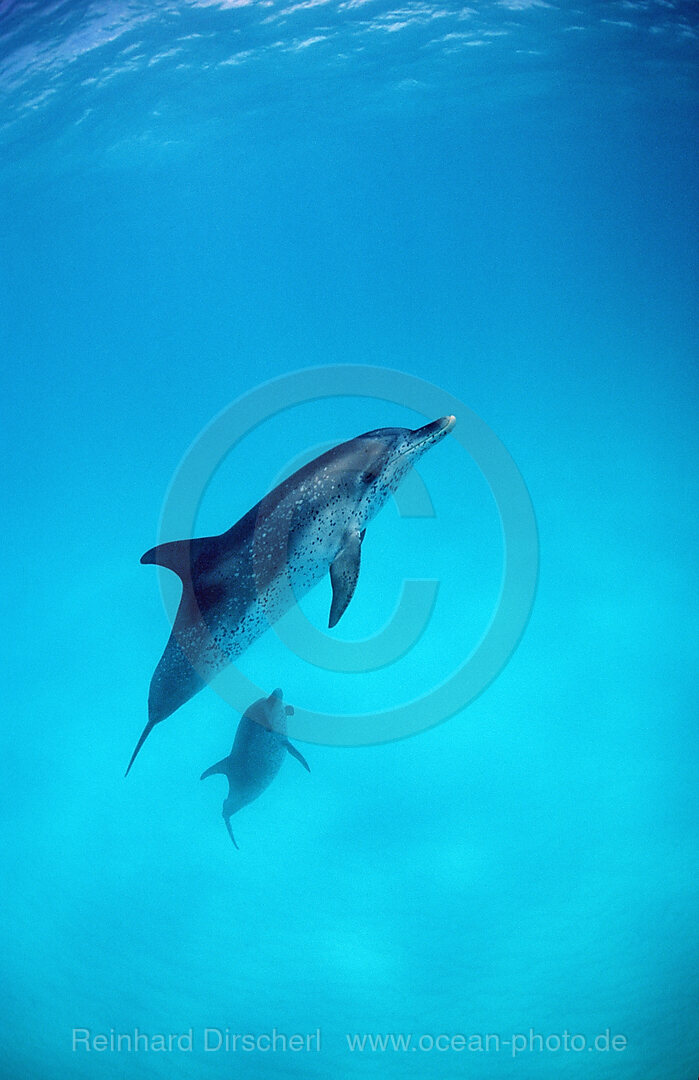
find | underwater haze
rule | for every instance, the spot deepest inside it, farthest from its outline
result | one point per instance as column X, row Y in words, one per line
column 499, row 198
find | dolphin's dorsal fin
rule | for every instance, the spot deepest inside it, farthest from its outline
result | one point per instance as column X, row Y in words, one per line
column 220, row 767
column 297, row 754
column 177, row 555
column 344, row 572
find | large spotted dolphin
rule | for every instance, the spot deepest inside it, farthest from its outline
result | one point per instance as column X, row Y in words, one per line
column 259, row 749
column 237, row 584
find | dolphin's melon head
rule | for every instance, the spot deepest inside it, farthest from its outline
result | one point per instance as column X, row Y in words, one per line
column 379, row 460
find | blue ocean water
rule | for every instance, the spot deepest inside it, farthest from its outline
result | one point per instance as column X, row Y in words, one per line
column 199, row 196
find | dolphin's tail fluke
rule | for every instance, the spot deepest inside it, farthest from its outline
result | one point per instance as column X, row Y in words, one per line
column 219, row 767
column 139, row 744
column 227, row 820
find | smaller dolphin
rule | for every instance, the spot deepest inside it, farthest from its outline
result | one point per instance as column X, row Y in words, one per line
column 256, row 756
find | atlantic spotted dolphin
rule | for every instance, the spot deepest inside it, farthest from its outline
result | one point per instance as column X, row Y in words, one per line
column 259, row 749
column 237, row 584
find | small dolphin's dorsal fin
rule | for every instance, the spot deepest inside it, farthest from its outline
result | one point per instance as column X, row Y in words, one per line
column 344, row 572
column 297, row 754
column 220, row 767
column 176, row 555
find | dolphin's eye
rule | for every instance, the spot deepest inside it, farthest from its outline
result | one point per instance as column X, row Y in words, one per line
column 370, row 474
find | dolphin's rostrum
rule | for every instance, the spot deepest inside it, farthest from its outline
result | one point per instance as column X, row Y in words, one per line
column 237, row 584
column 257, row 754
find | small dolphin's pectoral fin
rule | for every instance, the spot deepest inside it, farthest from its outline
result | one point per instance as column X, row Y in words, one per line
column 297, row 754
column 220, row 767
column 344, row 572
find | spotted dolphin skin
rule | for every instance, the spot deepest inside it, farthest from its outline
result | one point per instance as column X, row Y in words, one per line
column 259, row 749
column 237, row 584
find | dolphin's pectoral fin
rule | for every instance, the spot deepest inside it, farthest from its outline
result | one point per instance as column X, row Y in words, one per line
column 219, row 767
column 344, row 572
column 297, row 754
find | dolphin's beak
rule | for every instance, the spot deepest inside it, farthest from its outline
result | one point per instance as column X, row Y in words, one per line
column 431, row 433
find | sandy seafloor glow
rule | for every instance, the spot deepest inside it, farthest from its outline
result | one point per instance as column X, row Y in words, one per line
column 502, row 199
